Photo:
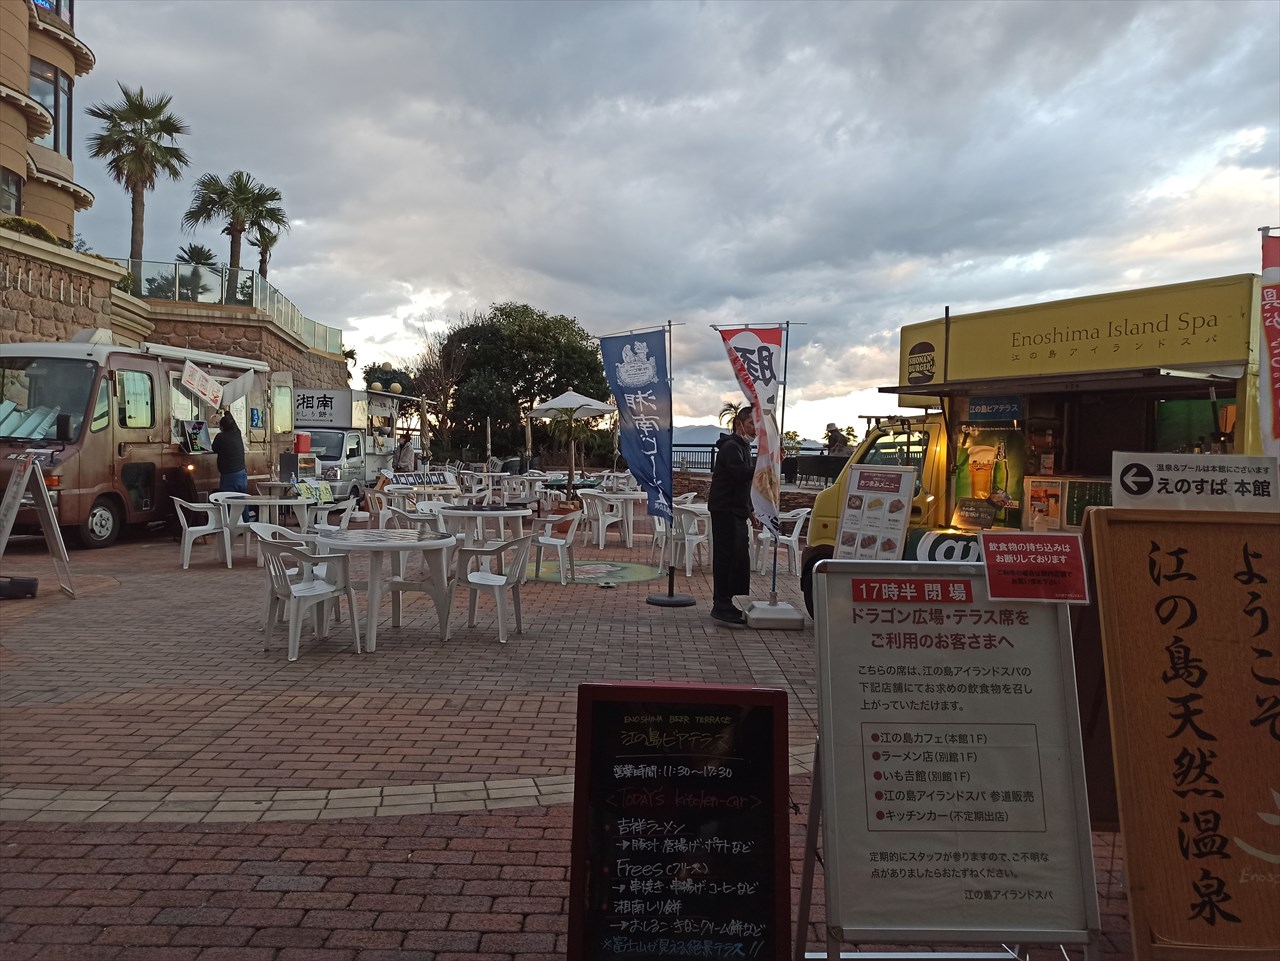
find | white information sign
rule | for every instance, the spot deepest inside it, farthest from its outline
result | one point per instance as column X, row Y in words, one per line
column 954, row 803
column 1198, row 482
column 875, row 513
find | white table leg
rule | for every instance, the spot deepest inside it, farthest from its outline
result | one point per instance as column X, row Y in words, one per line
column 436, row 563
column 375, row 600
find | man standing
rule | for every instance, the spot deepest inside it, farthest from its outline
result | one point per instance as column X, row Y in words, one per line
column 729, row 503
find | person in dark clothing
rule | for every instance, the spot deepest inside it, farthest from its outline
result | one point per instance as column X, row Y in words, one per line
column 229, row 446
column 729, row 503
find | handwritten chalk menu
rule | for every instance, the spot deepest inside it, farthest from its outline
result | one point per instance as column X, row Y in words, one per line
column 875, row 512
column 954, row 803
column 1190, row 615
column 680, row 827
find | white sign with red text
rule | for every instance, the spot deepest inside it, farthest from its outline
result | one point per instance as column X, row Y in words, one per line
column 200, row 383
column 952, row 772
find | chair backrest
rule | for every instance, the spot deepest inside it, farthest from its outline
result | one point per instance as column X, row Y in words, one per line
column 567, row 534
column 792, row 522
column 213, row 517
column 516, row 554
column 393, row 518
column 274, row 533
column 689, row 523
column 688, row 498
column 231, row 511
column 375, row 502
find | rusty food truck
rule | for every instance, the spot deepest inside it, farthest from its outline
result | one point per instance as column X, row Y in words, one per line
column 117, row 433
column 1025, row 406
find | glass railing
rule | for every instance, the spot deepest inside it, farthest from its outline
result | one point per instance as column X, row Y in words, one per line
column 221, row 285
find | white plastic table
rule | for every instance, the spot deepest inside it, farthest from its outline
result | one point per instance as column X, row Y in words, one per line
column 627, row 499
column 469, row 521
column 435, row 555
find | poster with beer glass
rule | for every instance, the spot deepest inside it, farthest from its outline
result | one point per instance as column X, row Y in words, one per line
column 990, row 464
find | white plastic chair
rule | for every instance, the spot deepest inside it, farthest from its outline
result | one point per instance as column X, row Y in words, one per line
column 296, row 587
column 213, row 525
column 791, row 524
column 562, row 542
column 275, row 534
column 600, row 512
column 513, row 556
column 375, row 502
column 344, row 509
column 690, row 535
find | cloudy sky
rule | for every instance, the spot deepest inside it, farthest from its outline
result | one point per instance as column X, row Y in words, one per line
column 846, row 167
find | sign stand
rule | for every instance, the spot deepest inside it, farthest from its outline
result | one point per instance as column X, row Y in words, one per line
column 949, row 771
column 27, row 479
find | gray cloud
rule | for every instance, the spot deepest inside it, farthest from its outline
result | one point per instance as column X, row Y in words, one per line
column 847, row 167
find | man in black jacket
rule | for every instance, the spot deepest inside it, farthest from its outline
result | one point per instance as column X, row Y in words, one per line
column 729, row 503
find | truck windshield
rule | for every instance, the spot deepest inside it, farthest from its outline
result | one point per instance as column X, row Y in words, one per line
column 898, row 450
column 327, row 444
column 34, row 391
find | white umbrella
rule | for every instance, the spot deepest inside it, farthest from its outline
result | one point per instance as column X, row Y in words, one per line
column 575, row 406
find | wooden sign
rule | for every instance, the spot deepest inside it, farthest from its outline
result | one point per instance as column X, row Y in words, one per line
column 680, row 826
column 1190, row 610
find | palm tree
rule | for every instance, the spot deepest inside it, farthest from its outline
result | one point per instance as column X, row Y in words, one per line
column 728, row 412
column 138, row 138
column 265, row 241
column 244, row 203
column 197, row 254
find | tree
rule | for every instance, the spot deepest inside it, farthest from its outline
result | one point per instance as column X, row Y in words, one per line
column 265, row 241
column 512, row 356
column 729, row 411
column 349, row 355
column 436, row 372
column 138, row 139
column 244, row 203
column 197, row 254
column 191, row 283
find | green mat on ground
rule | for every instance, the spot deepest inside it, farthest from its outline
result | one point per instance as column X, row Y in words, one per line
column 597, row 572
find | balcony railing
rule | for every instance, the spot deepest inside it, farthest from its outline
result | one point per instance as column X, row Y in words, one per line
column 221, row 285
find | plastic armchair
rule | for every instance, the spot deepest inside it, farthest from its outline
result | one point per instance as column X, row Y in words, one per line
column 691, row 534
column 791, row 524
column 561, row 541
column 275, row 534
column 297, row 588
column 213, row 524
column 375, row 502
column 344, row 509
column 600, row 512
column 513, row 556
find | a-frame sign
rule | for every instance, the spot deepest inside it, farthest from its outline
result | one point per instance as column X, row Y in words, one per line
column 27, row 479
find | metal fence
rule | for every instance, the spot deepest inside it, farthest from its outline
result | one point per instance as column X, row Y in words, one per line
column 241, row 287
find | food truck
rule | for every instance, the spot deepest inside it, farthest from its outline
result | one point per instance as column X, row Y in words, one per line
column 351, row 434
column 1024, row 407
column 118, row 431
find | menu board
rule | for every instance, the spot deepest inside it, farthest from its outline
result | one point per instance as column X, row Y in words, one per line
column 680, row 826
column 1083, row 493
column 875, row 512
column 954, row 804
column 1191, row 640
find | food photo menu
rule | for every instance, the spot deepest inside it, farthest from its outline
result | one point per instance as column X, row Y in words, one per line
column 877, row 507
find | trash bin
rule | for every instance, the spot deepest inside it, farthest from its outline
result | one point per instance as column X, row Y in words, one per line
column 512, row 465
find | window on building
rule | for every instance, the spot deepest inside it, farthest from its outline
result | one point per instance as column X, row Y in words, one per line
column 64, row 9
column 10, row 193
column 51, row 88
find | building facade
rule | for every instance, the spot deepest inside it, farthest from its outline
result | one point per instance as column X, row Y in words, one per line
column 40, row 59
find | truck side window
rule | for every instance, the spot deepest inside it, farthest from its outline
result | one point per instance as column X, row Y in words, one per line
column 898, row 450
column 136, row 399
column 101, row 408
column 353, row 445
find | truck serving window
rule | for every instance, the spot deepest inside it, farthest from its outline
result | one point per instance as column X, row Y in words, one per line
column 35, row 390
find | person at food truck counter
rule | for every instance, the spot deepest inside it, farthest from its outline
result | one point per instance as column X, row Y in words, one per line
column 729, row 503
column 229, row 446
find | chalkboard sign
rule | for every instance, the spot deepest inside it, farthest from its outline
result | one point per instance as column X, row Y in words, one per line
column 680, row 826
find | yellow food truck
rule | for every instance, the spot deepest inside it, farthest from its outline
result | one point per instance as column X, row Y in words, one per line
column 1025, row 405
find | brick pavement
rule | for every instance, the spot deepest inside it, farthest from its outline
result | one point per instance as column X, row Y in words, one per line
column 170, row 791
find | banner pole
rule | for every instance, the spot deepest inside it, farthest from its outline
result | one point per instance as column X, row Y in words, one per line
column 671, row 598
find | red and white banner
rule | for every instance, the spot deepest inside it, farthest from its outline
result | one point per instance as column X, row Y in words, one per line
column 1269, row 379
column 756, row 354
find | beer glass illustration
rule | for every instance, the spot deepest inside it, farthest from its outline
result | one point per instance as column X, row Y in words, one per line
column 982, row 460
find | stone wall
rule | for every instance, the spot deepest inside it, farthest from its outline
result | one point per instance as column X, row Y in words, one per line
column 48, row 293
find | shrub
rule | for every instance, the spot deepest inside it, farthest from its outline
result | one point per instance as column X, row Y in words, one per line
column 30, row 228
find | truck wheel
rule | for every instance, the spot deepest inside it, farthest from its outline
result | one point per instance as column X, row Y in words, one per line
column 102, row 526
column 811, row 557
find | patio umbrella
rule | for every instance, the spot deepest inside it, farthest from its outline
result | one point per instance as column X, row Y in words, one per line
column 575, row 406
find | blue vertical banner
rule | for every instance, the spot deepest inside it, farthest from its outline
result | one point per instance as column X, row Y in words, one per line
column 636, row 368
